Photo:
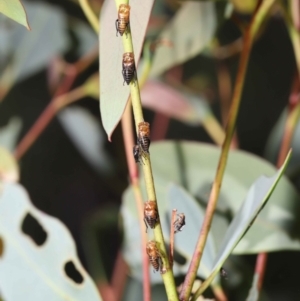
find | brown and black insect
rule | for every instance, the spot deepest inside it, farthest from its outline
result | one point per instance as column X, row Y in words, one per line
column 179, row 222
column 122, row 23
column 128, row 67
column 150, row 214
column 137, row 153
column 144, row 136
column 154, row 256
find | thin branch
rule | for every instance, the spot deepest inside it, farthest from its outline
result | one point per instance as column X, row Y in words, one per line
column 168, row 277
column 172, row 234
column 92, row 18
column 248, row 39
column 134, row 178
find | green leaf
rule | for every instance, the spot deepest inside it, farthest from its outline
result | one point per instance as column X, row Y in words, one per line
column 190, row 31
column 9, row 169
column 14, row 10
column 255, row 201
column 37, row 266
column 193, row 166
column 113, row 94
column 28, row 52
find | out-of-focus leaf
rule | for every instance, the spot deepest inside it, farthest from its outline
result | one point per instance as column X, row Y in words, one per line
column 113, row 94
column 27, row 52
column 86, row 37
column 9, row 169
column 86, row 133
column 9, row 133
column 39, row 264
column 256, row 199
column 14, row 10
column 193, row 166
column 275, row 139
column 189, row 31
column 245, row 6
column 162, row 98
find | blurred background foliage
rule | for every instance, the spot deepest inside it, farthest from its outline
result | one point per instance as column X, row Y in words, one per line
column 73, row 173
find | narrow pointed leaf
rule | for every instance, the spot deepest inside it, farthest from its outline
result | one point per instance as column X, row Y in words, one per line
column 256, row 199
column 113, row 94
column 14, row 10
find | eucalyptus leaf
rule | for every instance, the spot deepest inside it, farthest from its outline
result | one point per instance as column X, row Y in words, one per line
column 10, row 133
column 28, row 52
column 36, row 268
column 9, row 169
column 256, row 199
column 113, row 94
column 193, row 166
column 14, row 10
column 189, row 31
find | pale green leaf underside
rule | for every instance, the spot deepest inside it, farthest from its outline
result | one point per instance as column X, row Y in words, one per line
column 257, row 197
column 113, row 94
column 193, row 166
column 14, row 10
column 38, row 271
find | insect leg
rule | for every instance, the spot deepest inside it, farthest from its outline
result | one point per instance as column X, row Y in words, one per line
column 117, row 25
column 146, row 224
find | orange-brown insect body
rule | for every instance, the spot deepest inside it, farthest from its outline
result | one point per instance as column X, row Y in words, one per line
column 128, row 67
column 150, row 214
column 144, row 136
column 122, row 23
column 154, row 255
column 179, row 223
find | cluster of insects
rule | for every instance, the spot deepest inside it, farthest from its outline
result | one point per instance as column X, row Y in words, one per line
column 141, row 149
column 122, row 26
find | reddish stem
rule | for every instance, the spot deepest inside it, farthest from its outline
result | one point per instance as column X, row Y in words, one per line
column 172, row 235
column 118, row 280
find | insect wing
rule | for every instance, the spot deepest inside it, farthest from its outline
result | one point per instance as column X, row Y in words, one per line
column 113, row 95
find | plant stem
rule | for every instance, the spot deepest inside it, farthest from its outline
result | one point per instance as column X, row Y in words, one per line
column 248, row 40
column 90, row 14
column 168, row 277
column 134, row 178
column 172, row 234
